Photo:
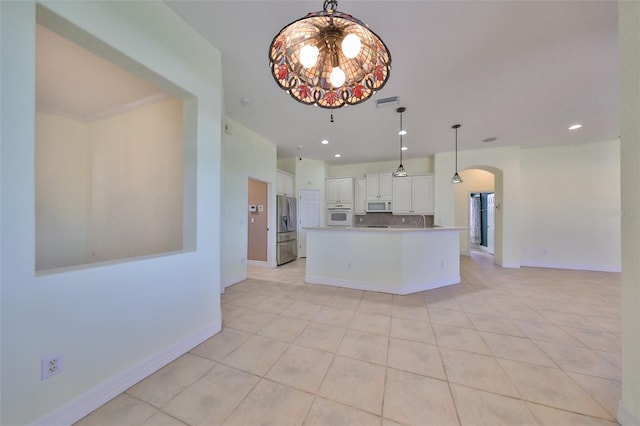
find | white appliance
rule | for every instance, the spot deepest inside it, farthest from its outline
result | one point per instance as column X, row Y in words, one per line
column 378, row 206
column 339, row 215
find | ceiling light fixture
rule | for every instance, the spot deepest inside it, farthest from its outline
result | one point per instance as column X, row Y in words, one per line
column 329, row 59
column 401, row 172
column 575, row 126
column 456, row 177
column 324, row 142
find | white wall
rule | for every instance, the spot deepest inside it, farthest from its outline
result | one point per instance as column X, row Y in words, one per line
column 288, row 164
column 246, row 154
column 413, row 166
column 128, row 318
column 63, row 191
column 571, row 206
column 564, row 200
column 136, row 184
column 473, row 180
column 109, row 189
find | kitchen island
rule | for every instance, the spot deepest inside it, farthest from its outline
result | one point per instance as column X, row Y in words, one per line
column 389, row 260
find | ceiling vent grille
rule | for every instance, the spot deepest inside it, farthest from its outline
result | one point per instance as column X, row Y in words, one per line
column 386, row 102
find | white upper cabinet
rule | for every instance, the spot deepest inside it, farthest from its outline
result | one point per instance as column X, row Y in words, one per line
column 413, row 195
column 379, row 187
column 401, row 195
column 360, row 196
column 285, row 184
column 340, row 190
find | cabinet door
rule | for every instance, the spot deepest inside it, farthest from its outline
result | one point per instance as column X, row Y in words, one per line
column 422, row 194
column 360, row 203
column 385, row 186
column 333, row 191
column 284, row 184
column 346, row 190
column 289, row 186
column 401, row 195
column 373, row 191
column 280, row 183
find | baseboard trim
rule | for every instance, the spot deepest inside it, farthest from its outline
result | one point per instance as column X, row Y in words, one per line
column 626, row 416
column 234, row 280
column 84, row 404
column 572, row 266
column 361, row 285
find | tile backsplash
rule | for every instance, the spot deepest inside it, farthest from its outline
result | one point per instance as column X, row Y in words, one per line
column 389, row 219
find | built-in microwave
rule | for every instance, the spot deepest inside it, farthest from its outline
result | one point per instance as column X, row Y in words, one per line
column 339, row 216
column 378, row 206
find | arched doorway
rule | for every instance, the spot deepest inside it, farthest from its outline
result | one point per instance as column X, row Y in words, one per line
column 475, row 206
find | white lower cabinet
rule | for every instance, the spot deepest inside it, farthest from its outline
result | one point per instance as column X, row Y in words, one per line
column 413, row 195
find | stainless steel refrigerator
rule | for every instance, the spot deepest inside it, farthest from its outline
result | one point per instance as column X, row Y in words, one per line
column 286, row 240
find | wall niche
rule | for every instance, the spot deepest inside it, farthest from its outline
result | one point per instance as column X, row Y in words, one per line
column 109, row 153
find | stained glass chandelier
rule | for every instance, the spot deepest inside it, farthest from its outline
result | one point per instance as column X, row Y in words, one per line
column 329, row 59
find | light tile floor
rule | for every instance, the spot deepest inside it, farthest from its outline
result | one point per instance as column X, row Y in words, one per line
column 505, row 347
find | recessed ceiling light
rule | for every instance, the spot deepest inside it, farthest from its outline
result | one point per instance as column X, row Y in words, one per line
column 404, row 148
column 489, row 139
column 337, row 155
column 324, row 142
column 575, row 126
column 402, row 132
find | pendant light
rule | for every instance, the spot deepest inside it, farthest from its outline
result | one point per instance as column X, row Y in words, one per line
column 400, row 172
column 456, row 177
column 329, row 59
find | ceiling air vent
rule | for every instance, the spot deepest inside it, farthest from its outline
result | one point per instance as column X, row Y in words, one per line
column 386, row 102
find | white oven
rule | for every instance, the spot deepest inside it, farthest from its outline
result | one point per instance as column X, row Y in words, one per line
column 339, row 216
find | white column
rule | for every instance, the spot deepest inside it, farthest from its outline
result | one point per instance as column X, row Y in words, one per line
column 629, row 45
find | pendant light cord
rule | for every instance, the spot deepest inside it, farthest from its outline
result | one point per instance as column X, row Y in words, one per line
column 401, row 138
column 456, row 177
column 456, row 127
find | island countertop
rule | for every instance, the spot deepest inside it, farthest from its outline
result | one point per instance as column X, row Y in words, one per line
column 385, row 228
column 398, row 260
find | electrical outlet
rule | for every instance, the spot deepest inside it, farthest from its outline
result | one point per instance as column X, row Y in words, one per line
column 50, row 366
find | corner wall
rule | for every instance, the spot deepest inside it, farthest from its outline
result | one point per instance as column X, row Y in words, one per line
column 130, row 318
column 246, row 154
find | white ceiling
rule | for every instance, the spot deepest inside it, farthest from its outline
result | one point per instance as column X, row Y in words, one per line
column 74, row 82
column 520, row 71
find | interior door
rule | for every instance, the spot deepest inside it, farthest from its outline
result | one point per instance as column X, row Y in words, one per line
column 491, row 222
column 309, row 215
column 257, row 221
